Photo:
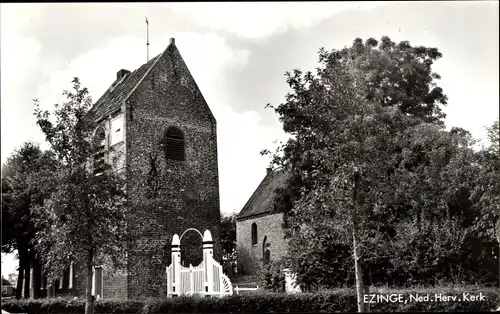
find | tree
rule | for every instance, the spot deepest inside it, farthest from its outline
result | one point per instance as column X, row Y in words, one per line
column 228, row 236
column 430, row 229
column 84, row 219
column 19, row 194
column 494, row 154
column 228, row 240
column 435, row 215
column 487, row 186
column 372, row 175
column 349, row 141
column 396, row 74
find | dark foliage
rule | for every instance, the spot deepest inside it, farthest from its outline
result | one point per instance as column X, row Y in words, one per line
column 325, row 302
column 428, row 201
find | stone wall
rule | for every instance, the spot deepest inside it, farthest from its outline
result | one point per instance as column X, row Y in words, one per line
column 269, row 227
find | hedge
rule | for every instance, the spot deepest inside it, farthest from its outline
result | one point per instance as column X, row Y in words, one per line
column 335, row 301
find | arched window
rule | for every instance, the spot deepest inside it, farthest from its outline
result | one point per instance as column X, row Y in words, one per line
column 99, row 142
column 265, row 251
column 254, row 234
column 173, row 144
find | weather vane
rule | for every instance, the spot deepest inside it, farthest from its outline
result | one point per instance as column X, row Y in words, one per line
column 147, row 39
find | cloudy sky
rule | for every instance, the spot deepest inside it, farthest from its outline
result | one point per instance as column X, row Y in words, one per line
column 237, row 53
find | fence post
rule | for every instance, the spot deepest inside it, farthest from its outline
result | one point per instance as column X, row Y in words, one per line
column 93, row 281
column 61, row 280
column 208, row 246
column 191, row 278
column 32, row 283
column 70, row 284
column 176, row 258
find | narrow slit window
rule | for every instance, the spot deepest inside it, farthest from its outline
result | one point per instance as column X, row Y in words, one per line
column 173, row 144
column 254, row 234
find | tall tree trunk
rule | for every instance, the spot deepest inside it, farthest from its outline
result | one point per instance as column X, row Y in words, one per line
column 20, row 278
column 22, row 251
column 27, row 275
column 27, row 278
column 360, row 288
column 37, row 278
column 89, row 306
column 358, row 271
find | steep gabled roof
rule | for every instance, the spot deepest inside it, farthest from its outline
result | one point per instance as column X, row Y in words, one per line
column 120, row 90
column 262, row 200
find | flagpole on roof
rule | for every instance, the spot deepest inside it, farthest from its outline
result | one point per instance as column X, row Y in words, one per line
column 147, row 39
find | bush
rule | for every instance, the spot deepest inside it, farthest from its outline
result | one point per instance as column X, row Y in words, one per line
column 326, row 301
column 271, row 277
column 57, row 305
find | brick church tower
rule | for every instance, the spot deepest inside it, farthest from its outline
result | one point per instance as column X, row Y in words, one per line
column 155, row 125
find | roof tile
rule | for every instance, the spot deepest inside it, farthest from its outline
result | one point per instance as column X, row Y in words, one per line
column 263, row 198
column 119, row 91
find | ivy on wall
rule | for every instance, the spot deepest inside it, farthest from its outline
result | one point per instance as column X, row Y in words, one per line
column 153, row 184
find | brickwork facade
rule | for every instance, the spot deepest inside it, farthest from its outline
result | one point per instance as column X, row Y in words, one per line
column 115, row 285
column 180, row 194
column 269, row 231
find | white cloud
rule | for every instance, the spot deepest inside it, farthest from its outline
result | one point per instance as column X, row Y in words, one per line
column 19, row 61
column 241, row 137
column 16, row 16
column 262, row 19
column 472, row 103
column 206, row 56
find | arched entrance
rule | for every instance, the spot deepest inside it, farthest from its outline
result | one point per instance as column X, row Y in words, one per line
column 191, row 247
column 207, row 278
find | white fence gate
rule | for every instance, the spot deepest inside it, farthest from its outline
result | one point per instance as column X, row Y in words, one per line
column 206, row 278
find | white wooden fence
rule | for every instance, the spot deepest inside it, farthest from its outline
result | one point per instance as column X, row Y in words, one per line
column 238, row 289
column 207, row 278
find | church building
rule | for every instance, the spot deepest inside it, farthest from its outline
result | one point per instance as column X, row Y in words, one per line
column 259, row 232
column 155, row 126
